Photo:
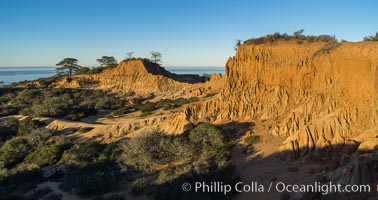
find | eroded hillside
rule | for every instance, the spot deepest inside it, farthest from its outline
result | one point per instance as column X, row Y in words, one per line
column 321, row 98
column 138, row 76
column 327, row 95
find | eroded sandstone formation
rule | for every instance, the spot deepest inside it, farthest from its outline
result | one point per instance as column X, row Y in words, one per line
column 143, row 77
column 316, row 94
column 133, row 75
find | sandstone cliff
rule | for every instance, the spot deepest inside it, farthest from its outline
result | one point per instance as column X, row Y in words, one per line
column 143, row 77
column 133, row 75
column 315, row 94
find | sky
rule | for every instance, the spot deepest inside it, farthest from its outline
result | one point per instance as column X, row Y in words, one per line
column 186, row 32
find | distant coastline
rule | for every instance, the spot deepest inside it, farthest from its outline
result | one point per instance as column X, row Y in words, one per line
column 15, row 74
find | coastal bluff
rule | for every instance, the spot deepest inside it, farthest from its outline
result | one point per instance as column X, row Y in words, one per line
column 314, row 93
column 135, row 75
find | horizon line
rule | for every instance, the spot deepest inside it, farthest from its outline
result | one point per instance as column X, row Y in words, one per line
column 99, row 66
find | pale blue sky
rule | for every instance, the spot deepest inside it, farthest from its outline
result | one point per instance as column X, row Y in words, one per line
column 186, row 32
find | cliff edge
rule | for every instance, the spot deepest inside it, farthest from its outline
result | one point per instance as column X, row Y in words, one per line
column 316, row 94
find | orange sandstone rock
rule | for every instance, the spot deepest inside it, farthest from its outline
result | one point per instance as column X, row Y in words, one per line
column 318, row 94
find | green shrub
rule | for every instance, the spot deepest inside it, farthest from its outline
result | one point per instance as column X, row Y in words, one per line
column 203, row 143
column 47, row 155
column 95, row 70
column 211, row 147
column 6, row 95
column 90, row 179
column 167, row 104
column 108, row 153
column 38, row 137
column 84, row 82
column 78, row 114
column 193, row 99
column 148, row 152
column 35, row 110
column 297, row 36
column 207, row 135
column 147, row 108
column 109, row 116
column 13, row 151
column 143, row 152
column 121, row 111
column 144, row 114
column 82, row 153
column 20, row 181
column 83, row 70
column 139, row 185
column 173, row 172
column 72, row 104
column 27, row 125
column 6, row 110
column 26, row 97
column 202, row 153
column 188, row 127
column 252, row 139
column 93, row 183
column 85, row 129
column 210, row 95
column 3, row 172
column 8, row 129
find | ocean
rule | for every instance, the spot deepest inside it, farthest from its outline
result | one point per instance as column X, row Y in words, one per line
column 15, row 74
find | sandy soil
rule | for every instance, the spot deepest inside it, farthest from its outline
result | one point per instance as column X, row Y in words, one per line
column 261, row 164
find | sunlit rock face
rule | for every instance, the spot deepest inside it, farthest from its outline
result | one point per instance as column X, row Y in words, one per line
column 316, row 94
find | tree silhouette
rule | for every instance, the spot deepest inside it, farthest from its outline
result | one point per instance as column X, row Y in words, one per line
column 156, row 57
column 130, row 54
column 298, row 34
column 67, row 66
column 107, row 61
column 372, row 38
